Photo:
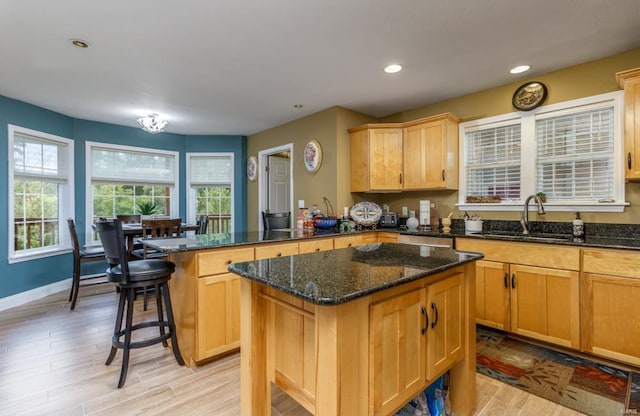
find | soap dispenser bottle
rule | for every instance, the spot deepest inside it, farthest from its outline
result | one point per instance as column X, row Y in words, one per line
column 578, row 226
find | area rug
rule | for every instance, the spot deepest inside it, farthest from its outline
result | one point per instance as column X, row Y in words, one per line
column 580, row 384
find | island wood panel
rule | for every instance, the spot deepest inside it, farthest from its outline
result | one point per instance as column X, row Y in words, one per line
column 342, row 373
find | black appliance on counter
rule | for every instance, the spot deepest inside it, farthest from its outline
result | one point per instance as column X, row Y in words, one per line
column 388, row 220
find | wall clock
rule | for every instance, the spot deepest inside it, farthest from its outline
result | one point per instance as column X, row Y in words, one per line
column 529, row 96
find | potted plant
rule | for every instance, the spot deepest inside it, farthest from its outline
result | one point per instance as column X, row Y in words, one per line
column 542, row 196
column 147, row 208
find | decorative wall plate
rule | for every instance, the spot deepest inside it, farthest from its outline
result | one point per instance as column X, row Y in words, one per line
column 366, row 213
column 252, row 168
column 312, row 156
column 529, row 96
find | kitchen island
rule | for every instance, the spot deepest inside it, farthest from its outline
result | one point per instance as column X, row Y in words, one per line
column 357, row 331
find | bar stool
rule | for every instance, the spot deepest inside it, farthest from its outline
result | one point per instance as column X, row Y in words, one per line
column 130, row 276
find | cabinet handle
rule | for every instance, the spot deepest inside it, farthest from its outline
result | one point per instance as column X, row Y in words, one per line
column 513, row 281
column 435, row 319
column 317, row 248
column 426, row 321
column 443, row 175
column 349, row 245
column 401, row 179
column 506, row 280
column 279, row 255
column 629, row 160
column 229, row 262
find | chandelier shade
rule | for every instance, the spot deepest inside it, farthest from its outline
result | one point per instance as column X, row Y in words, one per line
column 152, row 123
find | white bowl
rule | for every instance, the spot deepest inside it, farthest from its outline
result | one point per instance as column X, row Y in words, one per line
column 474, row 226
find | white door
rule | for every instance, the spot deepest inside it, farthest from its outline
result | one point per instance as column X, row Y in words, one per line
column 279, row 198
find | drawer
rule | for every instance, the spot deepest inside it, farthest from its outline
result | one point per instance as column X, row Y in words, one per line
column 315, row 244
column 530, row 254
column 217, row 261
column 355, row 240
column 625, row 263
column 276, row 250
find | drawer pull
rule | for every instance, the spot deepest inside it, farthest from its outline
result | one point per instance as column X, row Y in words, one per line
column 317, row 248
column 229, row 261
column 443, row 176
column 435, row 319
column 629, row 160
column 513, row 281
column 279, row 255
column 426, row 321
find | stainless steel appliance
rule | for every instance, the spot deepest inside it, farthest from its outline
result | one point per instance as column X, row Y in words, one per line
column 388, row 220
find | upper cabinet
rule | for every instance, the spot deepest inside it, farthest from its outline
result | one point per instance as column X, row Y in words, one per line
column 431, row 153
column 630, row 81
column 376, row 158
column 417, row 155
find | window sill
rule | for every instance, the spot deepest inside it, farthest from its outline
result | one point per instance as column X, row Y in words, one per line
column 18, row 258
column 548, row 206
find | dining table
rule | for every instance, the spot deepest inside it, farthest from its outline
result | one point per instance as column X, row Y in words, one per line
column 134, row 229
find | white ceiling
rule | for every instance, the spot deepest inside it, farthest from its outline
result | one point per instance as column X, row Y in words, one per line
column 239, row 66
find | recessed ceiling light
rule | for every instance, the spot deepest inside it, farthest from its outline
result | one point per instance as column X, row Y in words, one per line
column 79, row 43
column 520, row 69
column 298, row 106
column 393, row 68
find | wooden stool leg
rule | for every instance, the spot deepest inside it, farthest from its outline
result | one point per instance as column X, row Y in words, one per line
column 127, row 337
column 164, row 288
column 118, row 328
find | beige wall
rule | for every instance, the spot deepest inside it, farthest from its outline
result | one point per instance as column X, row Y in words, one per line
column 330, row 126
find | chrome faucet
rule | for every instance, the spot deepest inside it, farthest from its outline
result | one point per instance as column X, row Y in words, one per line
column 524, row 216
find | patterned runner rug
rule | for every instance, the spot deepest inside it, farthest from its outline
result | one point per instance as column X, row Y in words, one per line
column 583, row 385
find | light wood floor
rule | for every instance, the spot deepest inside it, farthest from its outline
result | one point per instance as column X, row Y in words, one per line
column 52, row 363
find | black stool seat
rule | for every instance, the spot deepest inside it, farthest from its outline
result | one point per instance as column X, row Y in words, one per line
column 129, row 276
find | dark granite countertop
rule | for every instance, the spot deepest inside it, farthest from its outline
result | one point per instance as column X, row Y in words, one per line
column 338, row 276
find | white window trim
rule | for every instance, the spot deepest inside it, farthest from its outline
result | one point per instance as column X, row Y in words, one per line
column 66, row 205
column 174, row 209
column 528, row 120
column 191, row 205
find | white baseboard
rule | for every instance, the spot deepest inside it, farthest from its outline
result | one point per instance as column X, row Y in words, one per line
column 34, row 294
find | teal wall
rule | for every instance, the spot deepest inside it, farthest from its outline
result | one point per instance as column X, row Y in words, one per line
column 27, row 275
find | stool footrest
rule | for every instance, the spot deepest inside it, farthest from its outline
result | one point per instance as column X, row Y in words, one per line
column 115, row 340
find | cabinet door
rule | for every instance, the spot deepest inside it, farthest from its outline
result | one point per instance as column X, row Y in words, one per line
column 385, row 163
column 218, row 315
column 614, row 314
column 492, row 294
column 444, row 343
column 396, row 351
column 545, row 304
column 630, row 81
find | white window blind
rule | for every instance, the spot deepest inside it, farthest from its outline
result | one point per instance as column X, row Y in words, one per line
column 34, row 157
column 574, row 156
column 118, row 165
column 210, row 170
column 492, row 160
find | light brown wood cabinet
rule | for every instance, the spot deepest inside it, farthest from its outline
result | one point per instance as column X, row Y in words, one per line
column 630, row 81
column 430, row 155
column 611, row 315
column 414, row 338
column 416, row 155
column 376, row 158
column 528, row 289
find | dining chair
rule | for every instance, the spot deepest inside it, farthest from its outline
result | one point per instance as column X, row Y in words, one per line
column 157, row 228
column 203, row 223
column 276, row 220
column 81, row 256
column 131, row 219
column 129, row 277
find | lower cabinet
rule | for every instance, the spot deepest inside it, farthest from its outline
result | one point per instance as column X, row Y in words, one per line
column 218, row 314
column 414, row 337
column 539, row 299
column 611, row 318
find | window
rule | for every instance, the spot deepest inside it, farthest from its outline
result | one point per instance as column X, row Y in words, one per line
column 123, row 177
column 572, row 152
column 41, row 193
column 210, row 183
